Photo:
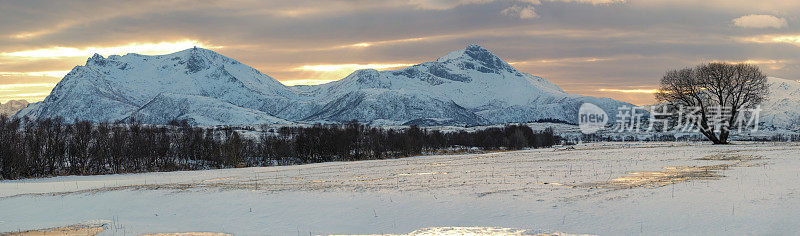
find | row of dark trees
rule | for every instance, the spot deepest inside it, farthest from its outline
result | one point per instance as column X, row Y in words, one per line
column 51, row 147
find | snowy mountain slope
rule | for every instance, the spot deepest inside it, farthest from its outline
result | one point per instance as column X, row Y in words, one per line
column 472, row 78
column 200, row 110
column 82, row 94
column 395, row 105
column 781, row 109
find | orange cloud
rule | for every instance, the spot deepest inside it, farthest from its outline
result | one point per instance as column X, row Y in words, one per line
column 58, row 73
column 629, row 90
column 772, row 64
column 760, row 21
column 790, row 39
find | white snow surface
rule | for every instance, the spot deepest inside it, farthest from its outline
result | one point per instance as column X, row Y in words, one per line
column 506, row 193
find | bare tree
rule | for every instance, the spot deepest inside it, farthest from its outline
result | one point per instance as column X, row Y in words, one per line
column 714, row 88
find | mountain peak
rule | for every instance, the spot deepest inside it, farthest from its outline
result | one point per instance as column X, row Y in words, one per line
column 475, row 48
column 481, row 56
column 471, row 51
column 195, row 50
column 96, row 59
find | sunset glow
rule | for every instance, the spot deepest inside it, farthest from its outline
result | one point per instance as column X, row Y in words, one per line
column 629, row 90
column 320, row 74
column 361, row 45
column 140, row 48
column 14, row 87
column 384, row 42
column 58, row 73
column 25, row 35
column 305, row 82
column 299, row 43
column 399, row 117
column 771, row 64
column 23, row 96
column 349, row 67
column 790, row 39
column 569, row 60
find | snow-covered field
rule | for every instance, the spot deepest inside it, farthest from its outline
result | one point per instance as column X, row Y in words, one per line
column 603, row 188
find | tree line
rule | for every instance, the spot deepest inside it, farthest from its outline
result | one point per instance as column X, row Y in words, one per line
column 53, row 147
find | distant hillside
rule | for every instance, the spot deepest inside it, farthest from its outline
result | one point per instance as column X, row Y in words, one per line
column 11, row 107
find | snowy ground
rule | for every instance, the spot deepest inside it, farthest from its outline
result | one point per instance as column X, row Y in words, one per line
column 605, row 188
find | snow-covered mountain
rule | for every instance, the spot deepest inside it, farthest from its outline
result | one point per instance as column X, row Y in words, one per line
column 469, row 86
column 466, row 87
column 114, row 88
column 11, row 107
column 781, row 109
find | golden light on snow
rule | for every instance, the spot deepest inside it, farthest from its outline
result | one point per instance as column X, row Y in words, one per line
column 140, row 48
column 629, row 90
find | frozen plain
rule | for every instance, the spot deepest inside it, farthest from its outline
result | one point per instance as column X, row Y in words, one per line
column 674, row 188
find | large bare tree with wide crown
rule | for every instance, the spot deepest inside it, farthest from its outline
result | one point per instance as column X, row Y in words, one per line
column 714, row 90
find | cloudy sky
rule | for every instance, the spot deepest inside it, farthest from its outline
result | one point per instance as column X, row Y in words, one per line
column 609, row 48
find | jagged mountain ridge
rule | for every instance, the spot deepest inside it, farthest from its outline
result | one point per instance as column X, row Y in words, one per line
column 472, row 78
column 466, row 87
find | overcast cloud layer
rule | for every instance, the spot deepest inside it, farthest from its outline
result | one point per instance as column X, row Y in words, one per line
column 608, row 48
